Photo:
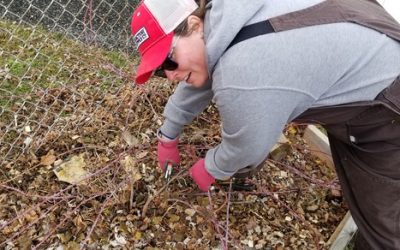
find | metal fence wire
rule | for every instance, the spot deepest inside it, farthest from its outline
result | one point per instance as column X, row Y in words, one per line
column 66, row 94
column 48, row 49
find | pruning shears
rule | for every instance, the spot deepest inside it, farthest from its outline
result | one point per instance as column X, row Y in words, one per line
column 168, row 168
column 238, row 184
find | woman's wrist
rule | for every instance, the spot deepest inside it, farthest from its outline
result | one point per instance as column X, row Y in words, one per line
column 164, row 138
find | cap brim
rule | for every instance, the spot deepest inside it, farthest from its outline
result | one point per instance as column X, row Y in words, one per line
column 153, row 58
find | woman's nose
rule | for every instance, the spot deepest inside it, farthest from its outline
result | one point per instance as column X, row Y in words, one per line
column 171, row 75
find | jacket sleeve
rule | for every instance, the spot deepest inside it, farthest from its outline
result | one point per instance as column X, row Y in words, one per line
column 252, row 121
column 183, row 106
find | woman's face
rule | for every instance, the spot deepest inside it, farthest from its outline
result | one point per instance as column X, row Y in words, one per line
column 189, row 52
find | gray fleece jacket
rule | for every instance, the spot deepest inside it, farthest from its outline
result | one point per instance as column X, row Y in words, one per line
column 263, row 83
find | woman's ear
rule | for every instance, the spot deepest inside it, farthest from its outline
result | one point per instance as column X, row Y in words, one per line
column 195, row 24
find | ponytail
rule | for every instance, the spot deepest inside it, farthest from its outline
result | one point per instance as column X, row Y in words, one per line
column 183, row 29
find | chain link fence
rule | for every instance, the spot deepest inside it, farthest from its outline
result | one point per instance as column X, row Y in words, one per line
column 67, row 99
column 104, row 22
column 47, row 47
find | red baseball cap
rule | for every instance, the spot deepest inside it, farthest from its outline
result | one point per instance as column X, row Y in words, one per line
column 153, row 24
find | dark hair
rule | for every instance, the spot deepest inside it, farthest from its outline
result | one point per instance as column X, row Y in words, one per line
column 183, row 29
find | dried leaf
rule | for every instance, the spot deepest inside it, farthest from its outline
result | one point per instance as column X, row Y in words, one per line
column 157, row 220
column 31, row 216
column 119, row 241
column 141, row 155
column 64, row 237
column 283, row 174
column 75, row 137
column 28, row 141
column 291, row 130
column 137, row 236
column 72, row 171
column 288, row 218
column 79, row 224
column 129, row 165
column 336, row 193
column 25, row 241
column 312, row 208
column 48, row 159
column 190, row 212
column 72, row 245
column 130, row 139
column 174, row 218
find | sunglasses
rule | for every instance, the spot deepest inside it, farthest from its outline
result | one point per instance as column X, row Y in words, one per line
column 168, row 64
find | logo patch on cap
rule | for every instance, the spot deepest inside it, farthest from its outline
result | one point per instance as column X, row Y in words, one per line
column 140, row 37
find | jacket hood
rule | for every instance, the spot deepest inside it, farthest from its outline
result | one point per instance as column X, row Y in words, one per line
column 220, row 29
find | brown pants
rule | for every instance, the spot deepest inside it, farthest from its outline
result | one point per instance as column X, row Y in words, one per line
column 367, row 161
column 365, row 143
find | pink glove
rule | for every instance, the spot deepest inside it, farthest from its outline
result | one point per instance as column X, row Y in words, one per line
column 200, row 175
column 167, row 150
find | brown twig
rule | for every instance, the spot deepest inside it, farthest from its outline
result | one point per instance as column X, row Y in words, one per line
column 66, row 217
column 334, row 185
column 54, row 207
column 227, row 213
column 151, row 197
column 296, row 215
column 83, row 244
column 216, row 224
